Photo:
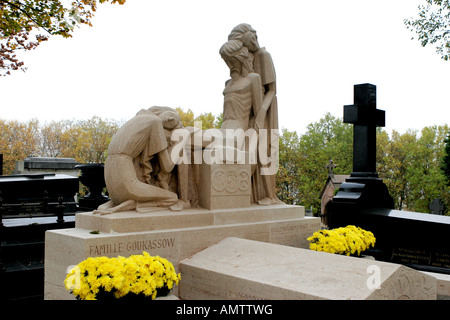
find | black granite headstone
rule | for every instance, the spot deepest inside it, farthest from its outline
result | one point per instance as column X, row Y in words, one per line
column 437, row 206
column 365, row 117
column 418, row 240
column 363, row 188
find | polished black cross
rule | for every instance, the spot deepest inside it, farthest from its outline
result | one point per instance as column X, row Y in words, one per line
column 365, row 117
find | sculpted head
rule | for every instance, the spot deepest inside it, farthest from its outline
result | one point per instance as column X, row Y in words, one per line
column 237, row 57
column 245, row 33
column 169, row 116
column 170, row 120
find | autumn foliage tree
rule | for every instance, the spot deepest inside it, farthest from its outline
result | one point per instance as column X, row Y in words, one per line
column 207, row 120
column 83, row 140
column 24, row 24
column 17, row 141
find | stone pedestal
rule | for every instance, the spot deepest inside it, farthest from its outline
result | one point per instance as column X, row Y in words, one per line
column 172, row 235
column 224, row 186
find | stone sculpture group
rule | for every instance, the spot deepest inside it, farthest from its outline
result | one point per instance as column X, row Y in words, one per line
column 142, row 171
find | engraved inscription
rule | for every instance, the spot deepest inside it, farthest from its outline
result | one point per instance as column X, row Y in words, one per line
column 130, row 246
column 420, row 256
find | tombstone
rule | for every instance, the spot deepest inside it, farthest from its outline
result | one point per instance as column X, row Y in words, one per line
column 418, row 240
column 363, row 189
column 330, row 166
column 437, row 207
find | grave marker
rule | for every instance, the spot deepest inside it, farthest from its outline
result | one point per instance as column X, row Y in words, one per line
column 365, row 117
column 363, row 188
column 418, row 240
column 437, row 206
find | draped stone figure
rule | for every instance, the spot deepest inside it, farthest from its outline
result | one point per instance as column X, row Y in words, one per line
column 139, row 164
column 254, row 61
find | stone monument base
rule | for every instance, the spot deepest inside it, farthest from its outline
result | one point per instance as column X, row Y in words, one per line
column 251, row 270
column 172, row 235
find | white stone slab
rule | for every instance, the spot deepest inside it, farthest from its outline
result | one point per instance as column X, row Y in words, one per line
column 246, row 269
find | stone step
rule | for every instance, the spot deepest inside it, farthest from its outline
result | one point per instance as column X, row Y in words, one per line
column 122, row 222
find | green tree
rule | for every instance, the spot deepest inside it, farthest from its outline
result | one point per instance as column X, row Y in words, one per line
column 409, row 164
column 393, row 160
column 24, row 24
column 287, row 176
column 445, row 167
column 424, row 175
column 302, row 171
column 329, row 138
column 219, row 120
column 446, row 160
column 432, row 26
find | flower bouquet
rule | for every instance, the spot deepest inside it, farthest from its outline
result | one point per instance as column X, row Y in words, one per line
column 138, row 277
column 349, row 240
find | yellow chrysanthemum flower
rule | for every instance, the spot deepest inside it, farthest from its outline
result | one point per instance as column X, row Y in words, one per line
column 139, row 274
column 348, row 240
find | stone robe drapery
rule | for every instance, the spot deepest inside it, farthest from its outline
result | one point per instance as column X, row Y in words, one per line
column 131, row 148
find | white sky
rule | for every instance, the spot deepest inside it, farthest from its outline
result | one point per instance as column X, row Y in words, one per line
column 165, row 53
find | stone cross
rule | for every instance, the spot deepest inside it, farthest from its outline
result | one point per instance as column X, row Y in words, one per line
column 365, row 117
column 330, row 167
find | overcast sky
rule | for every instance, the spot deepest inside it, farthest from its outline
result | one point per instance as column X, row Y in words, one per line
column 165, row 53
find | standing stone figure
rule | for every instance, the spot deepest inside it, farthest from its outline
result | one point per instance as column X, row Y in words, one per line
column 264, row 186
column 242, row 93
column 139, row 164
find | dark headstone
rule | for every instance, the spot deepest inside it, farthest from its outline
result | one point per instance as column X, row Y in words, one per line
column 437, row 206
column 365, row 117
column 330, row 167
column 418, row 240
column 363, row 189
